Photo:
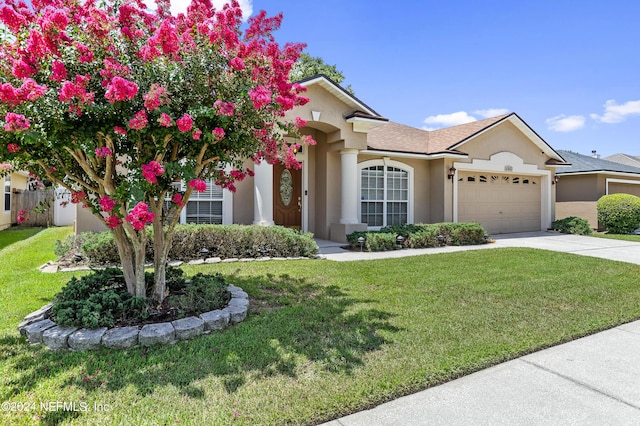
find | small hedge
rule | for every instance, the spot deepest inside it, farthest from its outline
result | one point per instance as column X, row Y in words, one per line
column 572, row 225
column 224, row 241
column 419, row 236
column 619, row 213
column 100, row 299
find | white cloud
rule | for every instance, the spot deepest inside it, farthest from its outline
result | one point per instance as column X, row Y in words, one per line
column 491, row 112
column 614, row 113
column 180, row 6
column 448, row 120
column 562, row 123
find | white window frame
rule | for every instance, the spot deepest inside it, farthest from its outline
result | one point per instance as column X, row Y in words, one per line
column 227, row 204
column 387, row 162
column 7, row 192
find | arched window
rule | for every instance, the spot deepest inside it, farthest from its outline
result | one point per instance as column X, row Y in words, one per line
column 385, row 193
column 7, row 193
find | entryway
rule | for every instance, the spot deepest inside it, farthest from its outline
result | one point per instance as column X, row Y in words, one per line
column 287, row 196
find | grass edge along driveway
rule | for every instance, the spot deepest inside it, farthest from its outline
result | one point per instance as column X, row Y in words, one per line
column 323, row 339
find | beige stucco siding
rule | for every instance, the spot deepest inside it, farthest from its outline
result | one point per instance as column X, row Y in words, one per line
column 625, row 188
column 504, row 138
column 578, row 188
column 18, row 181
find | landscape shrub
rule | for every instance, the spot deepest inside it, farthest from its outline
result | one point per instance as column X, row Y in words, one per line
column 420, row 236
column 224, row 241
column 619, row 213
column 572, row 225
column 100, row 299
column 96, row 300
column 204, row 293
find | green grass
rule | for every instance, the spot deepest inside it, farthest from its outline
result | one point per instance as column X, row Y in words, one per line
column 13, row 235
column 623, row 237
column 323, row 339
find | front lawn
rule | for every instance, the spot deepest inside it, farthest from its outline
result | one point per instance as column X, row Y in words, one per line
column 623, row 237
column 323, row 339
column 13, row 235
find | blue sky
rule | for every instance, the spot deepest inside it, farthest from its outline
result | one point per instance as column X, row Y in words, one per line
column 569, row 69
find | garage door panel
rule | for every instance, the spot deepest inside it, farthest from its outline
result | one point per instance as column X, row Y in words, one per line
column 624, row 188
column 501, row 203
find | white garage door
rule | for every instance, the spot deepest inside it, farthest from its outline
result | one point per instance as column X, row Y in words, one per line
column 501, row 203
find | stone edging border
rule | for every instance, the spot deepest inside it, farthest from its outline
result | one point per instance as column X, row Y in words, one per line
column 38, row 327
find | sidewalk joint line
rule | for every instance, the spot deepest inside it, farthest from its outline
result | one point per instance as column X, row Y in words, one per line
column 581, row 384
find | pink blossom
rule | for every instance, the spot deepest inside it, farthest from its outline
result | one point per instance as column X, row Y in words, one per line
column 86, row 55
column 198, row 185
column 22, row 216
column 260, row 96
column 218, row 133
column 113, row 221
column 16, row 122
column 10, row 95
column 13, row 148
column 139, row 120
column 22, row 69
column 300, row 122
column 58, row 71
column 155, row 97
column 107, row 203
column 5, row 166
column 238, row 175
column 196, row 134
column 151, row 170
column 30, row 90
column 119, row 130
column 11, row 18
column 237, row 64
column 139, row 216
column 103, row 151
column 120, row 89
column 226, row 109
column 167, row 38
column 78, row 197
column 165, row 120
column 75, row 93
column 185, row 123
column 36, row 46
column 177, row 199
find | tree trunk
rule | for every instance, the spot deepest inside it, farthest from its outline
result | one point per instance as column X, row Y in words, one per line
column 132, row 258
column 160, row 252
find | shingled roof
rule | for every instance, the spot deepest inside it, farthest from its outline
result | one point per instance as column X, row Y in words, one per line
column 629, row 160
column 587, row 164
column 400, row 138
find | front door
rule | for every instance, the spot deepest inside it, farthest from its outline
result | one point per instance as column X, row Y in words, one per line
column 287, row 194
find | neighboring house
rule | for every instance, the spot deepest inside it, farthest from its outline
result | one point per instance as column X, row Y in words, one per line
column 10, row 183
column 366, row 172
column 628, row 160
column 589, row 178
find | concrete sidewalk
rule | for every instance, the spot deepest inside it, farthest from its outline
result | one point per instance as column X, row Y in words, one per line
column 593, row 380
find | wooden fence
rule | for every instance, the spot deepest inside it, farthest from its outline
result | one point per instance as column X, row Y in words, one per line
column 38, row 205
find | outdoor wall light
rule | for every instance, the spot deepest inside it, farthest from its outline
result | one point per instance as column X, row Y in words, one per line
column 452, row 172
column 555, row 179
column 361, row 242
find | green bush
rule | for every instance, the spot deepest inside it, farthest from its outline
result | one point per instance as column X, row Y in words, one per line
column 419, row 236
column 100, row 299
column 204, row 293
column 619, row 213
column 572, row 225
column 96, row 300
column 224, row 241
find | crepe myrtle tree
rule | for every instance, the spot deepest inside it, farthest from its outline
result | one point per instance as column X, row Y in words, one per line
column 117, row 102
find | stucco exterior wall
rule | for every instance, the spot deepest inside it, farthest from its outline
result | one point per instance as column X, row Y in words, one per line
column 18, row 181
column 579, row 188
column 504, row 138
column 584, row 209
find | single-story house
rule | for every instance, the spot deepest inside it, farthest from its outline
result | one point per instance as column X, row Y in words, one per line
column 588, row 178
column 366, row 173
column 10, row 183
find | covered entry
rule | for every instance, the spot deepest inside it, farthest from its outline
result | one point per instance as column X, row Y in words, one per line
column 501, row 203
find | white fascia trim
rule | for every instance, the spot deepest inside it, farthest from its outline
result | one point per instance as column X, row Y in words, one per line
column 409, row 155
column 625, row 181
column 498, row 163
column 363, row 125
column 599, row 172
